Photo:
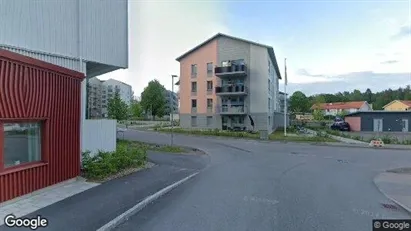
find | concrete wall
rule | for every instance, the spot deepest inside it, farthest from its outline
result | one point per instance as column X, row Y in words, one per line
column 99, row 135
column 391, row 121
column 354, row 122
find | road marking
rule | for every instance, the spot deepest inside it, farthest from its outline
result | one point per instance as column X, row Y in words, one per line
column 363, row 212
column 138, row 207
column 261, row 200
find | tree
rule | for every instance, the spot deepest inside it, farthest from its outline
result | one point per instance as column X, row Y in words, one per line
column 299, row 102
column 135, row 109
column 117, row 108
column 153, row 99
column 318, row 115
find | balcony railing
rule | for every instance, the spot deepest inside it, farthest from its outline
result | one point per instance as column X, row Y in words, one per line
column 233, row 70
column 232, row 110
column 232, row 90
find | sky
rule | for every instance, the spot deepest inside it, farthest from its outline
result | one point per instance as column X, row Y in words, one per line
column 330, row 46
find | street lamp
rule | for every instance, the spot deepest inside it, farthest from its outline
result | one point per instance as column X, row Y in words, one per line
column 172, row 107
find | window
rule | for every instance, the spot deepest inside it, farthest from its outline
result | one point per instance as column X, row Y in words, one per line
column 22, row 143
column 193, row 103
column 209, row 85
column 209, row 120
column 193, row 121
column 269, row 120
column 209, row 68
column 269, row 65
column 269, row 103
column 193, row 86
column 209, row 103
column 194, row 70
column 269, row 85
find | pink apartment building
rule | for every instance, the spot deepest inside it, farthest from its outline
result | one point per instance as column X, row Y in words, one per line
column 230, row 83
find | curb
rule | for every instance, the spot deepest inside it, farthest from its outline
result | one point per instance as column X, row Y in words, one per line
column 360, row 146
column 406, row 208
column 138, row 207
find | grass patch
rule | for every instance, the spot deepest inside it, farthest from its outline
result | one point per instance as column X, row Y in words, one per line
column 210, row 132
column 279, row 136
column 103, row 166
column 276, row 136
column 154, row 147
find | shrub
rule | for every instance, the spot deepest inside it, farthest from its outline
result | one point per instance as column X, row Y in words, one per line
column 104, row 164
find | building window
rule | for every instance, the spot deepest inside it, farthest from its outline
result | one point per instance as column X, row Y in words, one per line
column 209, row 120
column 193, row 70
column 269, row 120
column 209, row 69
column 193, row 103
column 209, row 85
column 269, row 104
column 193, row 121
column 269, row 86
column 209, row 103
column 269, row 65
column 22, row 143
column 193, row 86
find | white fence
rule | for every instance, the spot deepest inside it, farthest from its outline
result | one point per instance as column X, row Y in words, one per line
column 99, row 135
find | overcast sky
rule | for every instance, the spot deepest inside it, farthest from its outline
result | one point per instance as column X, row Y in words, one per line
column 330, row 46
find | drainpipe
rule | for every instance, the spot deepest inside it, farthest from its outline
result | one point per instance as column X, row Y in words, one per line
column 81, row 59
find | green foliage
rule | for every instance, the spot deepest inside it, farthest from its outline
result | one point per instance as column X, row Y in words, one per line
column 136, row 110
column 105, row 164
column 299, row 102
column 153, row 99
column 378, row 99
column 117, row 108
column 318, row 115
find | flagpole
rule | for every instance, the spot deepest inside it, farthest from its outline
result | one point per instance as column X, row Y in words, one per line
column 285, row 97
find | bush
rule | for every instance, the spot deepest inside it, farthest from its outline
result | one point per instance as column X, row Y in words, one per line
column 210, row 132
column 105, row 164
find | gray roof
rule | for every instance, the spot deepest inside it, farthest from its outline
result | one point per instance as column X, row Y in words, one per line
column 378, row 112
column 270, row 49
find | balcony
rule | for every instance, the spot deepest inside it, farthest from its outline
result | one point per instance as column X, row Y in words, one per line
column 232, row 110
column 231, row 90
column 231, row 71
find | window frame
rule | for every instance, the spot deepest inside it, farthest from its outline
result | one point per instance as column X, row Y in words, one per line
column 210, row 81
column 211, row 70
column 194, row 84
column 194, row 70
column 44, row 152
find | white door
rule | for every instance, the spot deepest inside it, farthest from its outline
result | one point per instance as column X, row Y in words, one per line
column 405, row 125
column 377, row 125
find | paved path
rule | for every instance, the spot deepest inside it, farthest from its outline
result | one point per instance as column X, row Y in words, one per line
column 396, row 186
column 91, row 209
column 252, row 185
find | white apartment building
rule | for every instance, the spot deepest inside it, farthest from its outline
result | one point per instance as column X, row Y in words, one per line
column 125, row 90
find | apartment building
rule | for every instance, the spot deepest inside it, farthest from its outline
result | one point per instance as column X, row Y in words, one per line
column 171, row 102
column 229, row 83
column 100, row 92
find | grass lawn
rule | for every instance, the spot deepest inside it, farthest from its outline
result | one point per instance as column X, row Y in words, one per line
column 154, row 147
column 276, row 136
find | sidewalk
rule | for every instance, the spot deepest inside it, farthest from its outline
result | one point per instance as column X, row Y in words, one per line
column 97, row 206
column 386, row 147
column 395, row 186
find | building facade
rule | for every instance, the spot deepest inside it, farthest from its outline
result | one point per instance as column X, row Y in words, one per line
column 171, row 102
column 75, row 34
column 39, row 124
column 282, row 97
column 398, row 105
column 229, row 83
column 379, row 121
column 336, row 108
column 101, row 91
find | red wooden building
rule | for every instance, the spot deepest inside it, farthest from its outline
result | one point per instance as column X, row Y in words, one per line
column 39, row 124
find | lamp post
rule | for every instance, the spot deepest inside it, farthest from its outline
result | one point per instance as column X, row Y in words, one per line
column 172, row 107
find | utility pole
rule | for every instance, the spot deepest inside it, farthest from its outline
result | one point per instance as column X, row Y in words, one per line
column 172, row 108
column 285, row 97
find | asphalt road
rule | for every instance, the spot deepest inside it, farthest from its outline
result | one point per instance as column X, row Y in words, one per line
column 251, row 185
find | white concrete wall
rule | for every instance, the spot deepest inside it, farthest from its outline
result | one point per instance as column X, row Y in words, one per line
column 98, row 135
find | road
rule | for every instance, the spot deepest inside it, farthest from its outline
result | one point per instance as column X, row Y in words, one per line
column 251, row 185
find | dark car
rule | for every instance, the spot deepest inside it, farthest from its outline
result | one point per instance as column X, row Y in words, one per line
column 341, row 126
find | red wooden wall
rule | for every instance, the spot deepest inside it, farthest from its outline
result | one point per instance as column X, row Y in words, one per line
column 32, row 90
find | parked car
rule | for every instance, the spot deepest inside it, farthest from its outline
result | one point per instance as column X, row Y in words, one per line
column 341, row 126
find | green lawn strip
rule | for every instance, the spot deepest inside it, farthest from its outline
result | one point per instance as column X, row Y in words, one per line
column 276, row 136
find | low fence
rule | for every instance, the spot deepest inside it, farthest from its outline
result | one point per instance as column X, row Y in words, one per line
column 99, row 135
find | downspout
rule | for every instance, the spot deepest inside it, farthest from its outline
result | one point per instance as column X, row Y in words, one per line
column 81, row 58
